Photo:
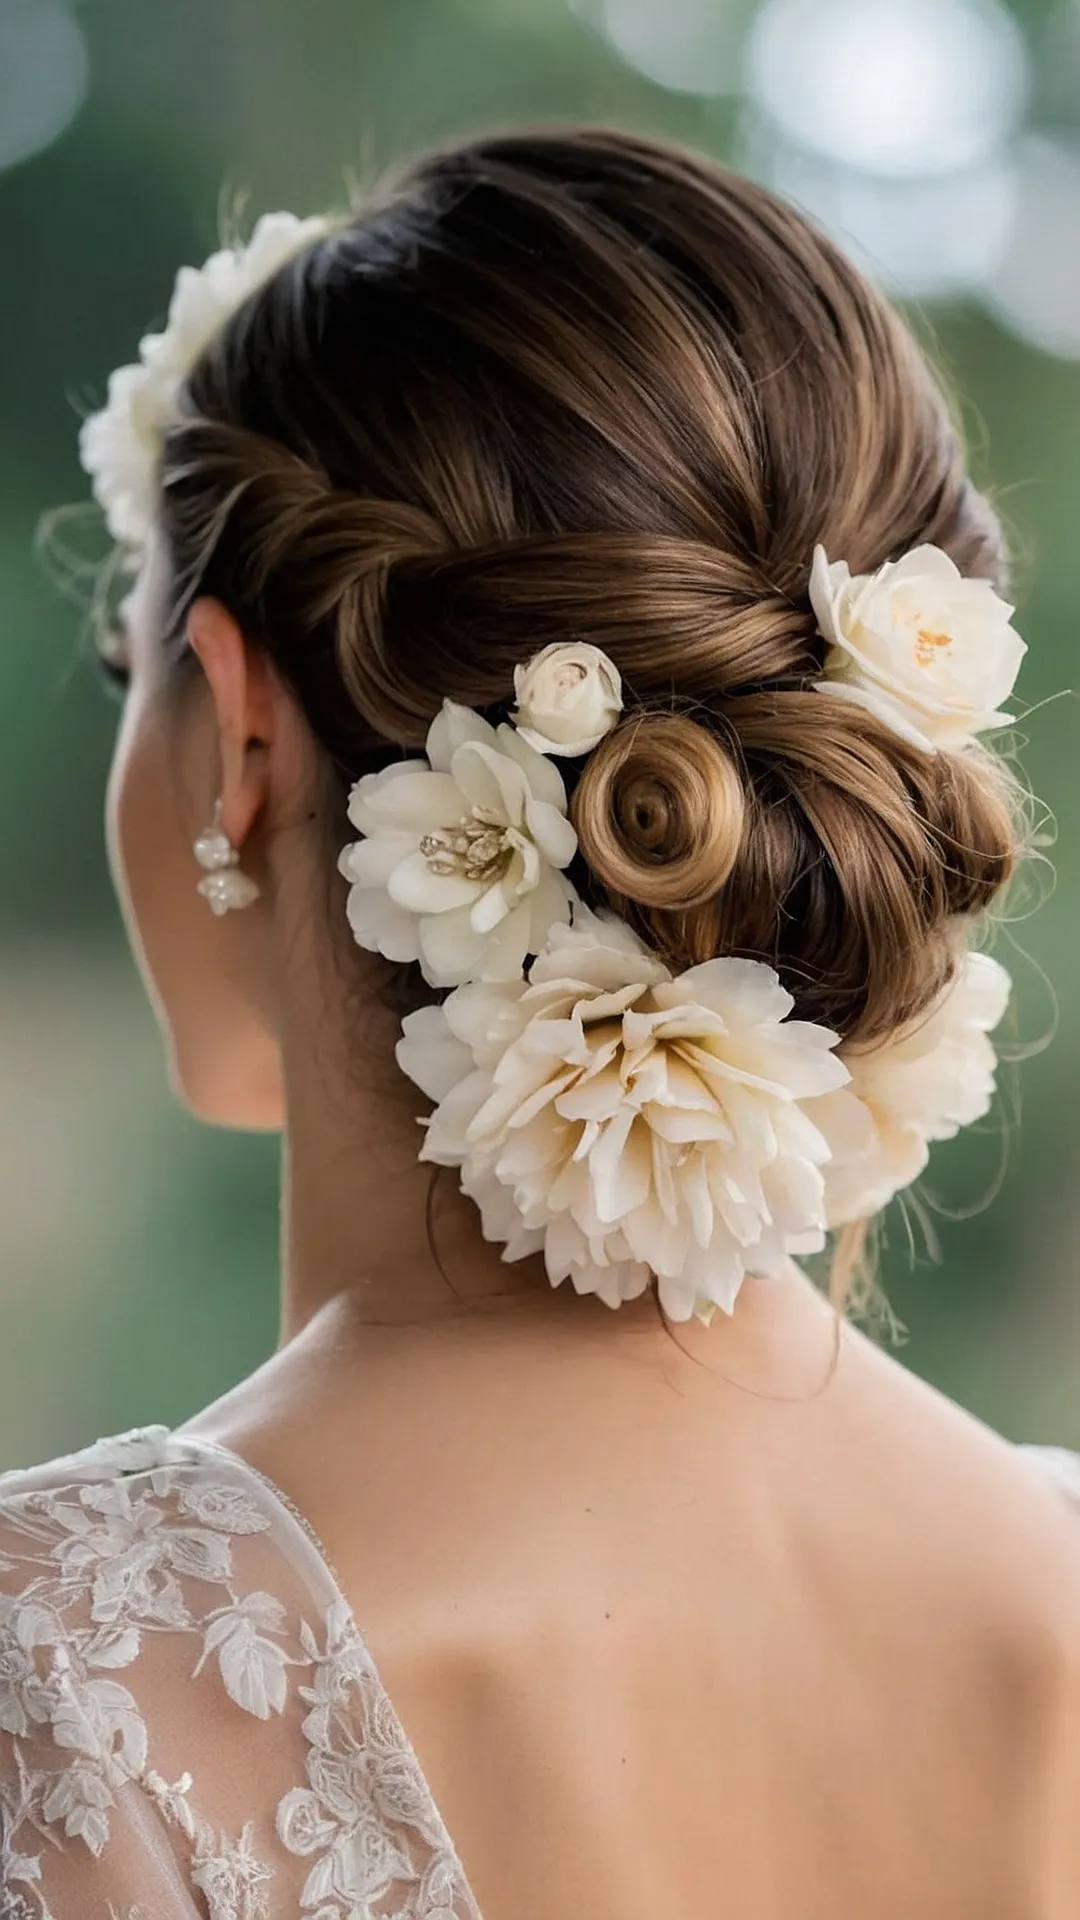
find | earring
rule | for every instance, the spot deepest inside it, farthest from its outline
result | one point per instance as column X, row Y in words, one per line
column 223, row 884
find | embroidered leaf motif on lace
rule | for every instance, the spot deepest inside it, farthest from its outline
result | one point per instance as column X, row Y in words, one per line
column 144, row 1539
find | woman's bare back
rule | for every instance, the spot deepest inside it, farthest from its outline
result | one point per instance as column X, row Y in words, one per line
column 787, row 1643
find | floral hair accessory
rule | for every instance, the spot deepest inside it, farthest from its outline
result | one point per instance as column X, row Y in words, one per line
column 119, row 445
column 569, row 696
column 462, row 864
column 624, row 1121
column 928, row 650
column 629, row 1122
column 922, row 1084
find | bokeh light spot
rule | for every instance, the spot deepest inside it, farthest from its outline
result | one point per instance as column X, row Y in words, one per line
column 687, row 46
column 1035, row 290
column 43, row 75
column 895, row 87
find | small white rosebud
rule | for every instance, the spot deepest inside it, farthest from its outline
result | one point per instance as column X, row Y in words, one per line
column 568, row 697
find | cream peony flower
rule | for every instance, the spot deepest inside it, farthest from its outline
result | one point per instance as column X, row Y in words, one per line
column 930, row 652
column 922, row 1085
column 627, row 1122
column 568, row 698
column 461, row 866
column 119, row 445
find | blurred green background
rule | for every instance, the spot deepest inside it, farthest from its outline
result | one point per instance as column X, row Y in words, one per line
column 939, row 137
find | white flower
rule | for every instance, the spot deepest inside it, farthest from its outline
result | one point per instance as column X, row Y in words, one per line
column 568, row 697
column 630, row 1122
column 202, row 1555
column 301, row 1822
column 461, row 865
column 922, row 1085
column 930, row 652
column 134, row 1583
column 229, row 1508
column 119, row 445
column 361, row 1794
column 108, row 1529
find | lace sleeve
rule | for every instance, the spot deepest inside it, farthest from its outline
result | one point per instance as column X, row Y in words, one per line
column 191, row 1727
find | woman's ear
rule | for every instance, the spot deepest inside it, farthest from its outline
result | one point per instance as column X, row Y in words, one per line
column 247, row 699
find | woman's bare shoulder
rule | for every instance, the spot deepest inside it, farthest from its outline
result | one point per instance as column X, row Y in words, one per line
column 1009, row 1509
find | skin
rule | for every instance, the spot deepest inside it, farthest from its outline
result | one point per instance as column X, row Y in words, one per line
column 740, row 1620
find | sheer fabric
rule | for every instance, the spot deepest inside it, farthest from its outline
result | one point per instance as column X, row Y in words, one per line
column 190, row 1722
column 191, row 1726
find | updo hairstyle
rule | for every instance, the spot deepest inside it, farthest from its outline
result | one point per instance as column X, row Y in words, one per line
column 578, row 385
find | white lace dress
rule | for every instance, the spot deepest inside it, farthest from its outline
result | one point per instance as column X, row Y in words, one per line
column 190, row 1722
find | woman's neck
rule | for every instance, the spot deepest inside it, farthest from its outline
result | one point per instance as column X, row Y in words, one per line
column 360, row 1213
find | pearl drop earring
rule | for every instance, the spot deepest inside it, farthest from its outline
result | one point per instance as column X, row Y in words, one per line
column 223, row 884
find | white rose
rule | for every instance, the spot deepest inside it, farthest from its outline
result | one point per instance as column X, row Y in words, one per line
column 461, row 867
column 930, row 652
column 568, row 697
column 924, row 1084
column 626, row 1122
column 229, row 1508
column 303, row 1825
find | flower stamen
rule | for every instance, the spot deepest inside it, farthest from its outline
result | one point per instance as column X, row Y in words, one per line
column 477, row 849
column 927, row 644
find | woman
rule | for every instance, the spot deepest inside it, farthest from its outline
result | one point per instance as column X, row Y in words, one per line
column 564, row 650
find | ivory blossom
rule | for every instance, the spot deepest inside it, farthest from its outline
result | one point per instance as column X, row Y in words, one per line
column 120, row 444
column 462, row 862
column 568, row 698
column 923, row 1084
column 928, row 650
column 627, row 1122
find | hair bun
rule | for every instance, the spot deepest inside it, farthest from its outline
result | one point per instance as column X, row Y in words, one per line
column 659, row 811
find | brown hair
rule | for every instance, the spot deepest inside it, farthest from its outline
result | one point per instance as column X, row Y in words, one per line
column 580, row 385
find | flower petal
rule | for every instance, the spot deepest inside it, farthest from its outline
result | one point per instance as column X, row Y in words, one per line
column 369, row 863
column 450, row 729
column 882, row 708
column 551, row 831
column 414, row 886
column 430, row 1055
column 405, row 800
column 380, row 926
column 449, row 950
column 544, row 780
column 373, row 784
column 492, row 782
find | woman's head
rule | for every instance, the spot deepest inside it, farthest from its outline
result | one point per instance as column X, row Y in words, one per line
column 572, row 386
